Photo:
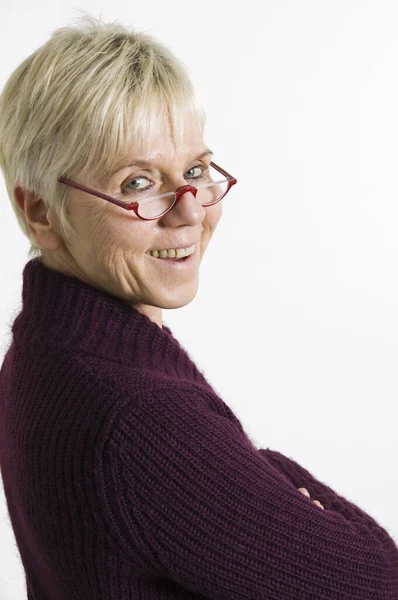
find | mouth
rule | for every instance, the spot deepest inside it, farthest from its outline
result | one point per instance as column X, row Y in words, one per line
column 178, row 264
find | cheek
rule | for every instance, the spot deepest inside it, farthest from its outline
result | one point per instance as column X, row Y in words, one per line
column 124, row 232
column 214, row 215
column 89, row 220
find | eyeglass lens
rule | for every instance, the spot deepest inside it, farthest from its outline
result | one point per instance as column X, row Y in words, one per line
column 211, row 185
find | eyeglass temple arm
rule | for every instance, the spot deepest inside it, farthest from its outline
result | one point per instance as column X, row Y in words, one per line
column 223, row 171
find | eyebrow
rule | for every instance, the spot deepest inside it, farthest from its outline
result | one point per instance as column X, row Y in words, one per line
column 139, row 162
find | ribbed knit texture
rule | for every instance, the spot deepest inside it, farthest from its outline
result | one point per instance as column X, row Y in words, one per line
column 127, row 477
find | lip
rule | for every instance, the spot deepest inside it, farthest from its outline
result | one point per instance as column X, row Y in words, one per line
column 179, row 265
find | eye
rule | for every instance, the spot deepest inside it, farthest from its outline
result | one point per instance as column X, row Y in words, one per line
column 136, row 185
column 190, row 174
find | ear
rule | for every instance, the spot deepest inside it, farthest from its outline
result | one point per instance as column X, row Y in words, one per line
column 37, row 215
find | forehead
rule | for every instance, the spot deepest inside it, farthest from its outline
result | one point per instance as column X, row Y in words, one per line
column 163, row 150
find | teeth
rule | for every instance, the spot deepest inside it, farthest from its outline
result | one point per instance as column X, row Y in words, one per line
column 172, row 253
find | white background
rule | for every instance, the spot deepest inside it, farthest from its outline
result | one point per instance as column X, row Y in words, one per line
column 295, row 323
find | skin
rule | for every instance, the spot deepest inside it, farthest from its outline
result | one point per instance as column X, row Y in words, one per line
column 108, row 247
column 305, row 492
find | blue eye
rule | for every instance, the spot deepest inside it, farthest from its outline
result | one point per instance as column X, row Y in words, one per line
column 201, row 167
column 136, row 189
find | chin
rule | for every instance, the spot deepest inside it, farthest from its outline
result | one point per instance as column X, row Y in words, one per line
column 177, row 298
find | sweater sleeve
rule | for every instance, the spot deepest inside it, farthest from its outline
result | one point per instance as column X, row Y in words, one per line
column 301, row 477
column 187, row 497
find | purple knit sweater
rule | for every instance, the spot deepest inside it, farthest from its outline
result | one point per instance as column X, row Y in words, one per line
column 128, row 477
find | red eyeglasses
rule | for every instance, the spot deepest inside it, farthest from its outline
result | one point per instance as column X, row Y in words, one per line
column 209, row 190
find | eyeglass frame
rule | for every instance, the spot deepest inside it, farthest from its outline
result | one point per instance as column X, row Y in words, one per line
column 135, row 205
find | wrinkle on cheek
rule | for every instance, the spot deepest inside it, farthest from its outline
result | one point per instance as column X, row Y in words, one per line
column 112, row 266
column 125, row 272
column 97, row 221
column 104, row 234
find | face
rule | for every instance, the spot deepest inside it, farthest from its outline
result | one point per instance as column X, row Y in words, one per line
column 109, row 249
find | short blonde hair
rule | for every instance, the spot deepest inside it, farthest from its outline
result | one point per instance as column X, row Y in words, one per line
column 79, row 101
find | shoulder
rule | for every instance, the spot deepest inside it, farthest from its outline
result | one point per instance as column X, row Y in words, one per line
column 119, row 388
column 124, row 399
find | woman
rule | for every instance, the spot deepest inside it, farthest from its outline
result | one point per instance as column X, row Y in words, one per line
column 126, row 475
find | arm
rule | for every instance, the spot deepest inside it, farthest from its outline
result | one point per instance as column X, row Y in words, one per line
column 186, row 496
column 301, row 477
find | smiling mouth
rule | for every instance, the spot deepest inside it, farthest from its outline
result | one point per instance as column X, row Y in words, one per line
column 163, row 254
column 183, row 262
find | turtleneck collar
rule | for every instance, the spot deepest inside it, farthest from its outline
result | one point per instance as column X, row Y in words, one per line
column 62, row 313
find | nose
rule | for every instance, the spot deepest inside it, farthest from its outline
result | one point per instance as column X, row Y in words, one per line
column 189, row 211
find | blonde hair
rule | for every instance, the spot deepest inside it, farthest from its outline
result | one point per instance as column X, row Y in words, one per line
column 79, row 101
